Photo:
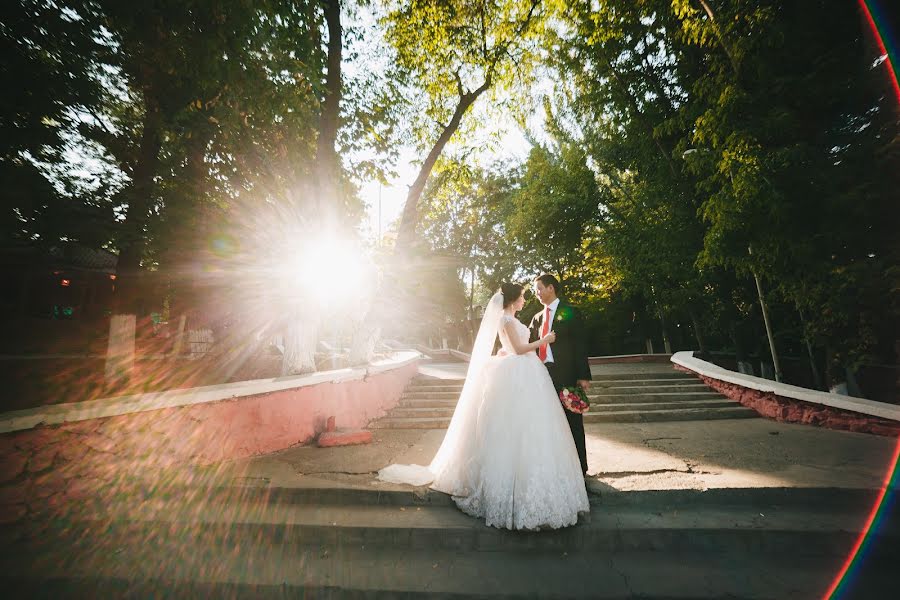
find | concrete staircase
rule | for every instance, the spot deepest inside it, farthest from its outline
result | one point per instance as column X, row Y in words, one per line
column 667, row 395
column 377, row 543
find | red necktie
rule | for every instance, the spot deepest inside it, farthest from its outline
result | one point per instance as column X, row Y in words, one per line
column 545, row 329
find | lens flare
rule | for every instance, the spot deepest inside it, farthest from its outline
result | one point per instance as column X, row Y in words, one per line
column 880, row 33
column 880, row 508
column 882, row 505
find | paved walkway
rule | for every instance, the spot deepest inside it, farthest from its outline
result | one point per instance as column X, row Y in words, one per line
column 754, row 453
column 323, row 537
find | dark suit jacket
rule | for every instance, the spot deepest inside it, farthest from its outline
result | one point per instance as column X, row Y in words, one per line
column 570, row 348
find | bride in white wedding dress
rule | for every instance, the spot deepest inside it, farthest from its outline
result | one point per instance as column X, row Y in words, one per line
column 508, row 455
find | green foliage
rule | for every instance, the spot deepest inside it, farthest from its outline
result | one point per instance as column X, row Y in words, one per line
column 451, row 46
column 464, row 219
column 554, row 209
column 798, row 129
column 47, row 81
column 685, row 134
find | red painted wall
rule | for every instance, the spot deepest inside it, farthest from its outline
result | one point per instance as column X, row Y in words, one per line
column 791, row 410
column 63, row 462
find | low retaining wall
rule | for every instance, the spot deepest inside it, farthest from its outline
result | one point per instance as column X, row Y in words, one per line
column 792, row 404
column 60, row 453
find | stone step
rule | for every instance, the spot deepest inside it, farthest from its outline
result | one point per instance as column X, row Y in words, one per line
column 647, row 389
column 419, row 412
column 655, row 397
column 408, row 423
column 452, row 398
column 444, row 392
column 434, row 388
column 636, row 394
column 680, row 414
column 596, row 408
column 430, row 395
column 375, row 543
column 631, row 414
column 416, row 381
column 612, row 527
column 654, row 375
column 427, row 403
column 666, row 382
column 604, row 407
column 360, row 572
column 258, row 568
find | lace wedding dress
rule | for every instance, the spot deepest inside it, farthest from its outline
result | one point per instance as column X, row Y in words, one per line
column 508, row 455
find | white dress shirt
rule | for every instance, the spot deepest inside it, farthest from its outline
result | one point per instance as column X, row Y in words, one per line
column 552, row 306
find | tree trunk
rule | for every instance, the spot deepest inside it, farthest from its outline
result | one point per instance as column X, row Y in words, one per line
column 409, row 220
column 329, row 119
column 712, row 19
column 300, row 338
column 120, row 351
column 302, row 334
column 363, row 339
column 140, row 201
column 701, row 345
column 817, row 379
column 667, row 344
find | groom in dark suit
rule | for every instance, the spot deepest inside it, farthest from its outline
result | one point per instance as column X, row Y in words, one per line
column 566, row 358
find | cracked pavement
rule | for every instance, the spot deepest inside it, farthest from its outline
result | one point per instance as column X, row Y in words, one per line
column 741, row 453
column 621, row 456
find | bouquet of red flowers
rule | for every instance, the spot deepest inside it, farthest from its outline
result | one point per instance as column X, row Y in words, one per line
column 574, row 400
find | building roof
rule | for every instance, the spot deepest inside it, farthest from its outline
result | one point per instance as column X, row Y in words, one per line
column 62, row 255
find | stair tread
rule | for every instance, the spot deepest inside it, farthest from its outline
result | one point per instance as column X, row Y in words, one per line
column 708, row 392
column 690, row 410
column 361, row 569
column 681, row 405
column 448, row 517
column 599, row 406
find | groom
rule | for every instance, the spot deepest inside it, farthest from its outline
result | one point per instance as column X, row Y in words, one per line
column 566, row 358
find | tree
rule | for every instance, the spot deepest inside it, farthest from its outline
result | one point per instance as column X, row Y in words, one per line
column 456, row 51
column 624, row 74
column 47, row 73
column 555, row 208
column 799, row 127
column 465, row 213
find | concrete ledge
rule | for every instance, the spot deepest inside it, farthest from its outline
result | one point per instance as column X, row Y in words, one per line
column 792, row 403
column 463, row 356
column 61, row 453
column 630, row 358
column 122, row 405
column 432, row 351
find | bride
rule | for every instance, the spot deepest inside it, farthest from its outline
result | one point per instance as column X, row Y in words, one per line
column 508, row 455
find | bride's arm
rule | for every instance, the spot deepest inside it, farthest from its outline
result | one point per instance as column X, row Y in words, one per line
column 520, row 348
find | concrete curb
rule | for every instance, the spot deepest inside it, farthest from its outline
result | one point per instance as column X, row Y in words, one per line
column 687, row 360
column 122, row 405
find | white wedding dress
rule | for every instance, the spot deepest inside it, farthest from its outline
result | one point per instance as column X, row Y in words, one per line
column 508, row 456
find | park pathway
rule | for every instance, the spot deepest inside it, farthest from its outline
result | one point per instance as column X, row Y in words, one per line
column 724, row 508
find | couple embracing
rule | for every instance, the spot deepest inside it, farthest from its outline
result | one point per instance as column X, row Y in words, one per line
column 512, row 454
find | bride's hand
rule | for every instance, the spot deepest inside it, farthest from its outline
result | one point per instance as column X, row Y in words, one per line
column 549, row 338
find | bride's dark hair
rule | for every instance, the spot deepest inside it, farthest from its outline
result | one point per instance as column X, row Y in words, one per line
column 511, row 293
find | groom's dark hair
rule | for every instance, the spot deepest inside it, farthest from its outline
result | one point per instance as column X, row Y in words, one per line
column 547, row 279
